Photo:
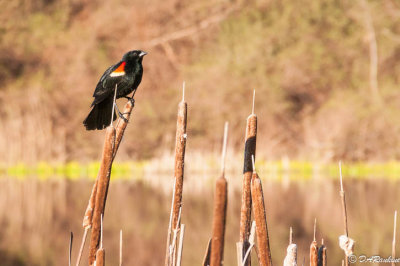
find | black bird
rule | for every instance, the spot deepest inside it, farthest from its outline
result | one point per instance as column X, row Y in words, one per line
column 125, row 76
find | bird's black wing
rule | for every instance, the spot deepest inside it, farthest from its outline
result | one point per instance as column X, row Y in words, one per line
column 106, row 85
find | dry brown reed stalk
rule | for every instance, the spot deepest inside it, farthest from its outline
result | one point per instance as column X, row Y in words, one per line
column 103, row 180
column 322, row 259
column 206, row 259
column 172, row 248
column 239, row 253
column 167, row 257
column 343, row 200
column 71, row 238
column 78, row 260
column 100, row 253
column 264, row 251
column 120, row 248
column 344, row 211
column 245, row 211
column 180, row 146
column 219, row 216
column 394, row 238
column 314, row 247
column 180, row 248
column 87, row 220
column 251, row 242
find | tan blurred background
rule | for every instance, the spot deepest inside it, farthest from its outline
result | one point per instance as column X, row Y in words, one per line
column 326, row 75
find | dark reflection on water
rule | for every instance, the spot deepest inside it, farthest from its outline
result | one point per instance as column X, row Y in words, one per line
column 37, row 216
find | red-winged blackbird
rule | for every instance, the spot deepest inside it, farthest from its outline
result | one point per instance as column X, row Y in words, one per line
column 125, row 76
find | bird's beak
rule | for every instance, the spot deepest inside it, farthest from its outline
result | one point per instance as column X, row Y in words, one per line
column 142, row 54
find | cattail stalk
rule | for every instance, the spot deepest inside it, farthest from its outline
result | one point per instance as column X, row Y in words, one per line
column 324, row 256
column 322, row 259
column 180, row 146
column 101, row 192
column 314, row 253
column 220, row 203
column 100, row 257
column 119, row 132
column 245, row 211
column 291, row 251
column 101, row 253
column 219, row 217
column 264, row 251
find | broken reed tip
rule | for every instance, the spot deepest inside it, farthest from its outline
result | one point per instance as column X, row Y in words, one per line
column 254, row 97
column 224, row 147
column 395, row 226
column 290, row 235
column 341, row 177
column 183, row 91
column 253, row 163
column 315, row 228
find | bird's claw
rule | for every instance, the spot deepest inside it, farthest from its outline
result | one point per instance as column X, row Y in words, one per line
column 121, row 115
column 131, row 100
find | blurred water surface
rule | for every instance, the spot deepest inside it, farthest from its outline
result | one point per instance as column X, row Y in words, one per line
column 36, row 217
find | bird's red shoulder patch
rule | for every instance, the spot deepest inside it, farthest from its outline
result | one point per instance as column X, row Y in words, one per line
column 120, row 71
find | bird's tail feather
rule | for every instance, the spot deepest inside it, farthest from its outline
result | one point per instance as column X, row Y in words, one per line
column 100, row 115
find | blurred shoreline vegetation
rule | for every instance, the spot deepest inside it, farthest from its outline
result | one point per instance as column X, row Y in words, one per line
column 308, row 61
column 141, row 171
